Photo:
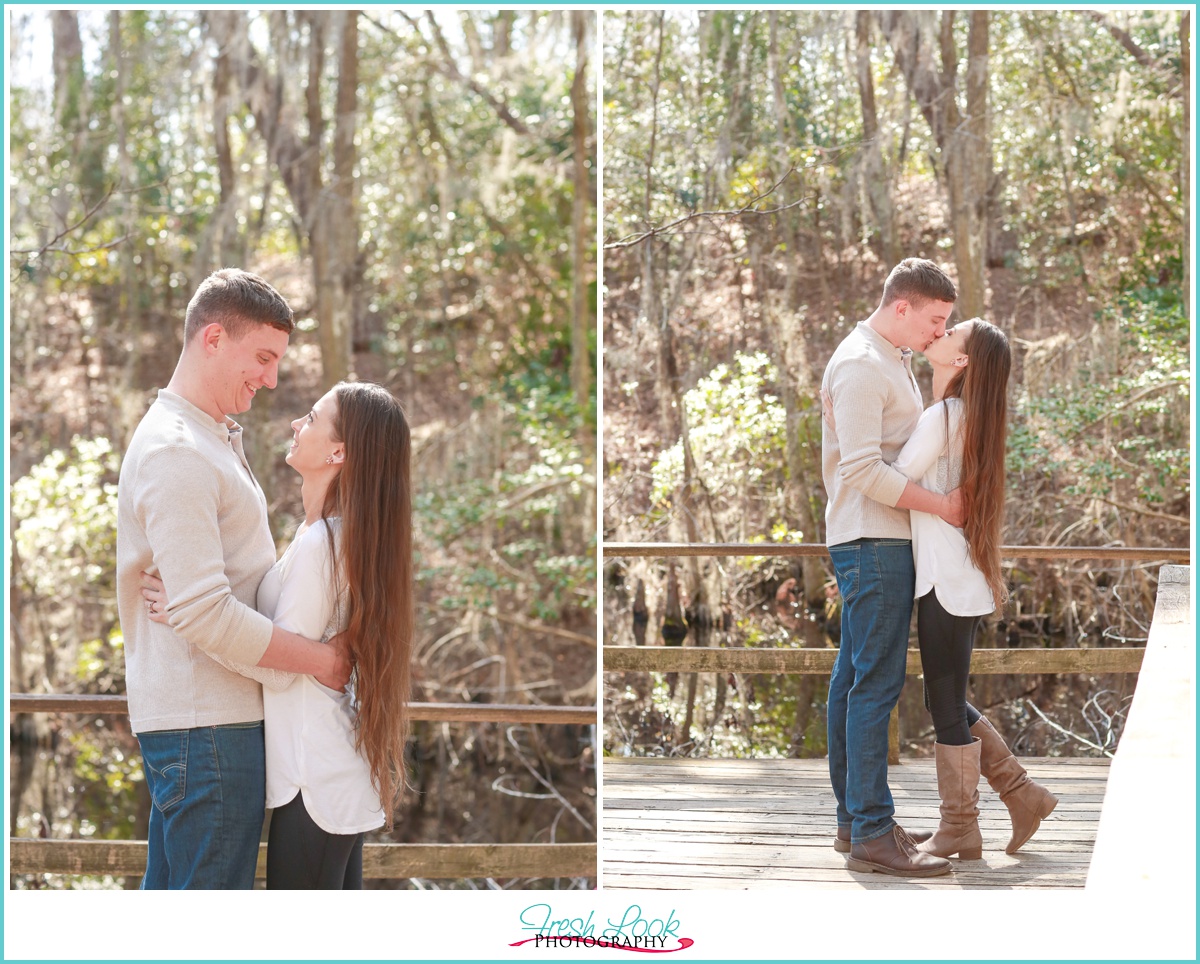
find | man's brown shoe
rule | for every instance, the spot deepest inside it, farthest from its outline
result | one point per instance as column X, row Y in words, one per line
column 895, row 853
column 841, row 843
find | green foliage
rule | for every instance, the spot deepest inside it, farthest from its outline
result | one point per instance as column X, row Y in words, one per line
column 1089, row 143
column 65, row 512
column 470, row 222
column 515, row 536
column 1127, row 432
column 736, row 428
column 139, row 212
column 101, row 761
column 100, row 661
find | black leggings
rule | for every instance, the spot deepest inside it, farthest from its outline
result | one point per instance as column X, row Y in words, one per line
column 302, row 856
column 946, row 641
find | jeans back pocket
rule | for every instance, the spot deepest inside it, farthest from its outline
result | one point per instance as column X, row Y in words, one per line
column 164, row 755
column 845, row 568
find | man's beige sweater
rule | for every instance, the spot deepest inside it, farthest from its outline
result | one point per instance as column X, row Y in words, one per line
column 190, row 511
column 876, row 406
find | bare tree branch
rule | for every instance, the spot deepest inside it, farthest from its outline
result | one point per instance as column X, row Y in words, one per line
column 634, row 240
column 1182, row 520
column 1135, row 50
column 1125, row 403
column 549, row 630
column 1066, row 732
column 1123, row 38
column 449, row 67
column 51, row 245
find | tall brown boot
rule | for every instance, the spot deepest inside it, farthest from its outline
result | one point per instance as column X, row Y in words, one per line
column 1028, row 803
column 958, row 786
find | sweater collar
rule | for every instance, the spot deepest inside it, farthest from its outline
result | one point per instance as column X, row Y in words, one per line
column 881, row 343
column 181, row 406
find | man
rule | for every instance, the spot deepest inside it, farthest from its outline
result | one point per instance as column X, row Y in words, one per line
column 190, row 511
column 875, row 407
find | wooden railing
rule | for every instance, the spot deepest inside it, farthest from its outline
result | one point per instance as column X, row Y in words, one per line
column 435, row 712
column 695, row 659
column 380, row 860
column 613, row 550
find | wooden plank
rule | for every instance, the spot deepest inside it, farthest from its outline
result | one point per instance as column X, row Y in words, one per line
column 739, row 794
column 121, row 858
column 622, row 874
column 1154, row 772
column 742, row 824
column 856, row 882
column 714, row 803
column 705, row 822
column 828, row 864
column 664, row 550
column 432, row 712
column 801, row 765
column 744, row 659
column 632, row 845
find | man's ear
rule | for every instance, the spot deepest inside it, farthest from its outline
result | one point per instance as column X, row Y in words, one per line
column 211, row 336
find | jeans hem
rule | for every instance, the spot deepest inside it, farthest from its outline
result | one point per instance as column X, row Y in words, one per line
column 875, row 836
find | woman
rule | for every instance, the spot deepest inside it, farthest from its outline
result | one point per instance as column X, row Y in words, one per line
column 335, row 760
column 960, row 441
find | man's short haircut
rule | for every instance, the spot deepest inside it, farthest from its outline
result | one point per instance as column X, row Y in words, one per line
column 918, row 281
column 236, row 300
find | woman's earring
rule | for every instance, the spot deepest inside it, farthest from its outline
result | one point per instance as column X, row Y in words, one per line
column 329, row 460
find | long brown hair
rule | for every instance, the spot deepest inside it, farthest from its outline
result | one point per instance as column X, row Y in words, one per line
column 983, row 387
column 372, row 494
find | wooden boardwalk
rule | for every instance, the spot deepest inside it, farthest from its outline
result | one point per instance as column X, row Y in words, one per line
column 769, row 824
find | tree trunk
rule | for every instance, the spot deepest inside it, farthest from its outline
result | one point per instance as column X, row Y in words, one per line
column 334, row 232
column 582, row 320
column 674, row 629
column 128, row 303
column 978, row 159
column 1185, row 159
column 71, row 113
column 345, row 194
column 878, row 184
column 641, row 614
column 504, row 25
column 325, row 211
column 913, row 39
column 218, row 247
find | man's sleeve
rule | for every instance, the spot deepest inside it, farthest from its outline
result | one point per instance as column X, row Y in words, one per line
column 923, row 447
column 859, row 394
column 305, row 604
column 179, row 507
column 272, row 679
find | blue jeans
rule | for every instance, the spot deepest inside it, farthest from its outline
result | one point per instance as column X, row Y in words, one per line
column 208, row 788
column 876, row 579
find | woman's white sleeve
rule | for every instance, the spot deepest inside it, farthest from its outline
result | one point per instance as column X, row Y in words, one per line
column 306, row 599
column 923, row 447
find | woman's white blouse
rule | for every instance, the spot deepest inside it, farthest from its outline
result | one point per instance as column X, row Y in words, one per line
column 309, row 728
column 932, row 457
